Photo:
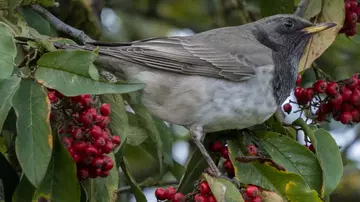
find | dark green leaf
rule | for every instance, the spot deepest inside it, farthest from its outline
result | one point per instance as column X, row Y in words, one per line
column 136, row 190
column 35, row 20
column 60, row 182
column 278, row 127
column 7, row 89
column 274, row 7
column 94, row 73
column 294, row 157
column 68, row 72
column 167, row 138
column 177, row 170
column 7, row 51
column 330, row 160
column 15, row 3
column 24, row 191
column 289, row 185
column 223, row 189
column 34, row 140
column 9, row 177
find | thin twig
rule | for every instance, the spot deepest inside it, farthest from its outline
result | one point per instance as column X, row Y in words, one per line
column 300, row 11
column 127, row 189
column 248, row 159
column 59, row 25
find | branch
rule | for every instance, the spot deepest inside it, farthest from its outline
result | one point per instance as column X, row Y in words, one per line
column 248, row 159
column 300, row 11
column 59, row 25
column 126, row 189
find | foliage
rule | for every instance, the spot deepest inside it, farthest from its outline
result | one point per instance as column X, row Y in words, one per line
column 31, row 65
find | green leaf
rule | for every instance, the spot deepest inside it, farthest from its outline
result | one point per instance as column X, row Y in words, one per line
column 147, row 122
column 332, row 11
column 330, row 160
column 274, row 7
column 278, row 127
column 136, row 190
column 94, row 73
column 60, row 182
column 24, row 191
column 70, row 73
column 35, row 20
column 294, row 157
column 312, row 9
column 289, row 185
column 177, row 170
column 15, row 3
column 7, row 89
column 9, row 177
column 34, row 139
column 223, row 189
column 7, row 51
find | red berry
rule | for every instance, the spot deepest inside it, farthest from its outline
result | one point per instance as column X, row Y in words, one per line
column 200, row 198
column 109, row 146
column 212, row 198
column 102, row 121
column 76, row 157
column 346, row 118
column 324, row 108
column 298, row 79
column 228, row 166
column 346, row 93
column 309, row 94
column 52, row 96
column 251, row 191
column 100, row 142
column 91, row 151
column 204, row 188
column 320, row 86
column 67, row 142
column 86, row 118
column 287, row 108
column 351, row 17
column 97, row 162
column 311, row 148
column 351, row 32
column 77, row 133
column 252, row 150
column 216, row 146
column 104, row 173
column 83, row 173
column 170, row 192
column 105, row 109
column 336, row 101
column 352, row 82
column 298, row 92
column 108, row 164
column 332, row 88
column 355, row 115
column 346, row 107
column 320, row 116
column 178, row 197
column 347, row 5
column 80, row 146
column 160, row 193
column 225, row 153
column 95, row 131
column 256, row 199
column 116, row 140
column 87, row 102
column 355, row 97
column 353, row 4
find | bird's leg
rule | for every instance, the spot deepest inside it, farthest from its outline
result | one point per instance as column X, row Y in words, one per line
column 196, row 133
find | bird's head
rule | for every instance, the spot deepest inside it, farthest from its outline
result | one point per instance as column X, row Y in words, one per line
column 287, row 33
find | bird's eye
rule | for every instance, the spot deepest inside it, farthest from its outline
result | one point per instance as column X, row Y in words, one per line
column 288, row 23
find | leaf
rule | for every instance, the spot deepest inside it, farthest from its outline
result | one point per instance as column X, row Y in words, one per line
column 177, row 170
column 16, row 3
column 147, row 122
column 35, row 20
column 60, row 178
column 24, row 191
column 7, row 89
column 312, row 9
column 289, row 185
column 9, row 177
column 34, row 139
column 136, row 190
column 330, row 160
column 294, row 157
column 276, row 126
column 332, row 11
column 274, row 7
column 7, row 51
column 69, row 72
column 223, row 189
column 167, row 138
column 94, row 73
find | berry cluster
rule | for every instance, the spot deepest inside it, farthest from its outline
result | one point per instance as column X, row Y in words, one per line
column 217, row 146
column 84, row 132
column 205, row 194
column 169, row 194
column 251, row 194
column 339, row 100
column 352, row 16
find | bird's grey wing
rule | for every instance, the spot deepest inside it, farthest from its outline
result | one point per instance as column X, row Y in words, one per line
column 181, row 55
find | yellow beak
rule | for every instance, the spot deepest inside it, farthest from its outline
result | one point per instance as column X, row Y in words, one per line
column 318, row 28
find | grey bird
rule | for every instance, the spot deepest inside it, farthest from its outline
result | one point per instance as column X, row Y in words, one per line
column 225, row 78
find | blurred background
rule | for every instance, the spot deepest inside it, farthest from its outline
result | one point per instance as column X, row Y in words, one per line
column 128, row 20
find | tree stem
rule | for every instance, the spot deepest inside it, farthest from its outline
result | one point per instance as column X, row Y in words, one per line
column 300, row 11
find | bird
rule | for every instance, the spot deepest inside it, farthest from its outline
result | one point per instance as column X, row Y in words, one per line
column 225, row 78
